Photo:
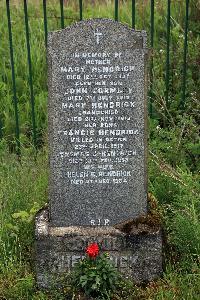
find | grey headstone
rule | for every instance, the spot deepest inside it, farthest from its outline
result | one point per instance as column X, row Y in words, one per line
column 97, row 123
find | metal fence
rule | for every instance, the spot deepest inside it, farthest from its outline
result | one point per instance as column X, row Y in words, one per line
column 116, row 12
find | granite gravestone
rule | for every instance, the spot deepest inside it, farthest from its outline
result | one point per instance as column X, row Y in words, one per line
column 97, row 141
column 97, row 124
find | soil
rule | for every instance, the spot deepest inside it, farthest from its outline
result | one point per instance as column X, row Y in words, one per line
column 145, row 224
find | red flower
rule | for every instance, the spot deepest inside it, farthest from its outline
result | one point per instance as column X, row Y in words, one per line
column 92, row 250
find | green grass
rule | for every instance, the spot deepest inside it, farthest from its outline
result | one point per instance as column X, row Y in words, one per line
column 24, row 190
column 174, row 149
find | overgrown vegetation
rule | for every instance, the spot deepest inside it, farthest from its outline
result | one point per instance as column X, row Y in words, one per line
column 174, row 149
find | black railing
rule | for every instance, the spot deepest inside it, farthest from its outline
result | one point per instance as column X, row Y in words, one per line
column 116, row 10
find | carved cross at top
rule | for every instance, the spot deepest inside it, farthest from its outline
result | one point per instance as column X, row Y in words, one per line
column 98, row 34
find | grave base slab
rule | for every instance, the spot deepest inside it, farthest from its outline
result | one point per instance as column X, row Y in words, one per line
column 136, row 255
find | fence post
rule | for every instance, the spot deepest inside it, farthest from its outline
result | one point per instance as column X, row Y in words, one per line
column 62, row 14
column 167, row 53
column 133, row 14
column 182, row 103
column 45, row 21
column 81, row 9
column 30, row 72
column 151, row 62
column 116, row 10
column 13, row 78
